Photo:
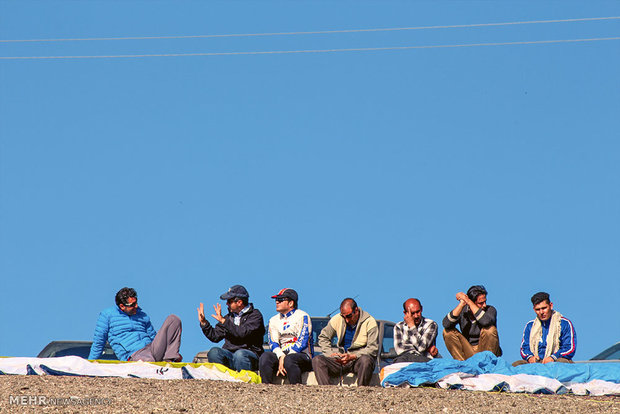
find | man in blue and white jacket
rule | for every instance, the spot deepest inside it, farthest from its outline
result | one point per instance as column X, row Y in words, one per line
column 290, row 340
column 131, row 335
column 550, row 337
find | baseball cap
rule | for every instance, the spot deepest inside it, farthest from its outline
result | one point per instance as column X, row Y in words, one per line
column 286, row 293
column 236, row 291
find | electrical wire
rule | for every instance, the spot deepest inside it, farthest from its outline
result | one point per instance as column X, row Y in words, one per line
column 275, row 52
column 454, row 26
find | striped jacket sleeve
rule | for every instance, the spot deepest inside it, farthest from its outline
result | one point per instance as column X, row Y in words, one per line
column 568, row 340
column 525, row 342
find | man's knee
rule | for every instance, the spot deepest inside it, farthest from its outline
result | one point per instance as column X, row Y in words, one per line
column 365, row 362
column 319, row 362
column 290, row 362
column 451, row 333
column 173, row 320
column 489, row 331
column 214, row 354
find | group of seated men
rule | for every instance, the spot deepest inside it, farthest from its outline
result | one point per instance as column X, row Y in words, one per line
column 550, row 337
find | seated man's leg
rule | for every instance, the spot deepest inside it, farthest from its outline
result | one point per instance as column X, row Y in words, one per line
column 220, row 356
column 459, row 347
column 489, row 341
column 519, row 362
column 268, row 366
column 295, row 364
column 244, row 359
column 165, row 346
column 363, row 367
column 325, row 367
column 410, row 357
column 564, row 360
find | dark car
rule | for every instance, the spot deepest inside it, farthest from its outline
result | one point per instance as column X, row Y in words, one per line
column 610, row 354
column 77, row 348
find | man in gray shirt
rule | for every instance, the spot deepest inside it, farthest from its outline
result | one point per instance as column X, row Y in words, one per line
column 478, row 323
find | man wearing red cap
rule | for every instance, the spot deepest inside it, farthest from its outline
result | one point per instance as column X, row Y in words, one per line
column 290, row 333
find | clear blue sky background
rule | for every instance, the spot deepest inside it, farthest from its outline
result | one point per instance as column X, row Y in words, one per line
column 385, row 174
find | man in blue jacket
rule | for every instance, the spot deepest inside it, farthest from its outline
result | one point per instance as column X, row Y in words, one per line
column 131, row 335
column 548, row 338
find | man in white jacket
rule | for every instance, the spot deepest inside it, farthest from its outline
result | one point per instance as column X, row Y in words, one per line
column 290, row 341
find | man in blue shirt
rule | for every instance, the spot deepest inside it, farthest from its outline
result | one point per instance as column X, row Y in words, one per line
column 357, row 345
column 550, row 337
column 131, row 335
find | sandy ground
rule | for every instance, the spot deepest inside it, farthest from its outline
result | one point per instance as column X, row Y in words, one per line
column 117, row 395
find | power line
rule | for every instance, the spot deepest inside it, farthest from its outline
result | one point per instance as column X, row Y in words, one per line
column 275, row 52
column 389, row 29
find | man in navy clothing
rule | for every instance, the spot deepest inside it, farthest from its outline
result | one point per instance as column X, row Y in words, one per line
column 242, row 330
column 550, row 337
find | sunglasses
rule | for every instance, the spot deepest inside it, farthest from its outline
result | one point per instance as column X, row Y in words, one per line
column 349, row 315
column 282, row 300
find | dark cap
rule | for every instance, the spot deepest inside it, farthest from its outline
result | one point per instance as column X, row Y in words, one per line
column 475, row 291
column 540, row 297
column 236, row 291
column 286, row 293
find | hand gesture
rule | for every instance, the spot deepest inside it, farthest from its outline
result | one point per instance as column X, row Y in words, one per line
column 461, row 297
column 409, row 319
column 201, row 314
column 281, row 370
column 433, row 351
column 346, row 358
column 218, row 313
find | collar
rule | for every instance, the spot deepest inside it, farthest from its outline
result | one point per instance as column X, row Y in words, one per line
column 548, row 321
column 242, row 311
column 287, row 315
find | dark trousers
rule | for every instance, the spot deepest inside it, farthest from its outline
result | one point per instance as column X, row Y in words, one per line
column 326, row 367
column 410, row 357
column 294, row 364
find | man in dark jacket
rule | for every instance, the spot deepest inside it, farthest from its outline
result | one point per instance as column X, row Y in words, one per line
column 242, row 330
column 478, row 322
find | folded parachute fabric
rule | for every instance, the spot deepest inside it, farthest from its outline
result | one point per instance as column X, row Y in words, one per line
column 76, row 366
column 485, row 372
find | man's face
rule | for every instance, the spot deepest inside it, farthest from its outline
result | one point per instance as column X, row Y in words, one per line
column 543, row 310
column 130, row 307
column 284, row 305
column 415, row 310
column 481, row 301
column 235, row 305
column 351, row 316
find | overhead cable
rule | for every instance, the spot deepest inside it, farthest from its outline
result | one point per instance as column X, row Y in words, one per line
column 276, row 52
column 389, row 29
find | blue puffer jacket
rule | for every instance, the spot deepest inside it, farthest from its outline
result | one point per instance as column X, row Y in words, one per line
column 125, row 333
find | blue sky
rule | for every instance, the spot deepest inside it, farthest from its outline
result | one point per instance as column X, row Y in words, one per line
column 383, row 174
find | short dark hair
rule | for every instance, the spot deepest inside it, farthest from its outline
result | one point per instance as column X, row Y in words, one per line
column 124, row 294
column 349, row 301
column 475, row 291
column 540, row 297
